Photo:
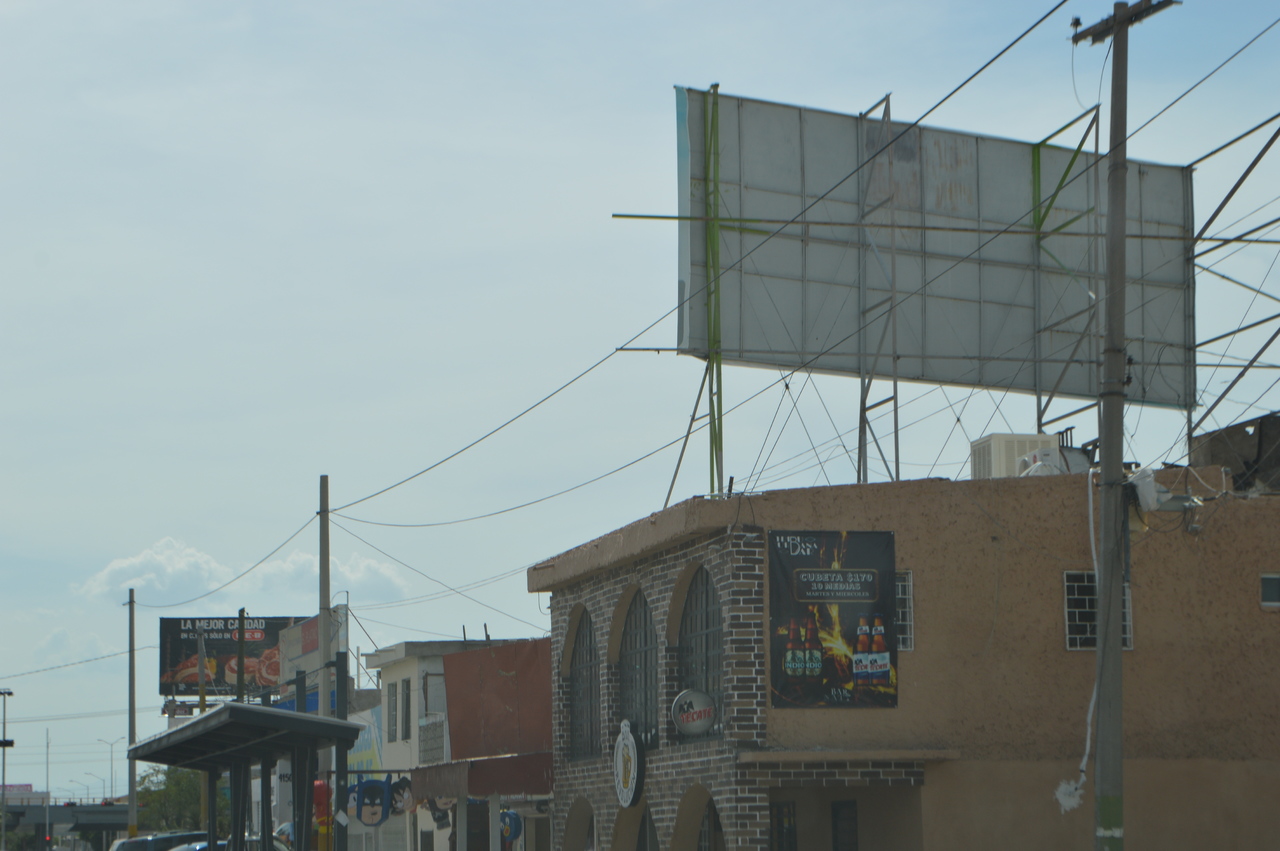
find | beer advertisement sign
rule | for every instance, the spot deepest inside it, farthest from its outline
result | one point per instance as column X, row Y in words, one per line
column 833, row 638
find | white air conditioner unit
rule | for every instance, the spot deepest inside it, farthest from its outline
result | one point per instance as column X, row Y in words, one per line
column 1055, row 461
column 996, row 456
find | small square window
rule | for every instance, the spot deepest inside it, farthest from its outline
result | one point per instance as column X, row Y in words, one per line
column 1271, row 590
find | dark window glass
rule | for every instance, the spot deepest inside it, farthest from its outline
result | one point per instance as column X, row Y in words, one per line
column 638, row 673
column 406, row 710
column 584, row 693
column 700, row 651
column 1271, row 589
column 844, row 826
column 392, row 705
column 782, row 826
column 648, row 838
column 710, row 834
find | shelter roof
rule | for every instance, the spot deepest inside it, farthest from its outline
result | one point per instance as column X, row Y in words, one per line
column 235, row 733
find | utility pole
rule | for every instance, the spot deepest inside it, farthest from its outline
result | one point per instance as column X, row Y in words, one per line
column 1108, row 775
column 326, row 648
column 133, row 729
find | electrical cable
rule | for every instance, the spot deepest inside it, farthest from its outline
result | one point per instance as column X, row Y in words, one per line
column 73, row 664
column 426, row 598
column 649, row 327
column 437, row 581
column 644, row 457
column 1206, row 76
column 236, row 578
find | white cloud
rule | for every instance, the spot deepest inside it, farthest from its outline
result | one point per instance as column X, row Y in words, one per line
column 171, row 571
column 168, row 564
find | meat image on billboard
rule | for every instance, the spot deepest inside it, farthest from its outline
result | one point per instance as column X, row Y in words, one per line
column 180, row 655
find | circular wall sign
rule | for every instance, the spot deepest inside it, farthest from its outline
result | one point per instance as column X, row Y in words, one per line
column 693, row 712
column 628, row 767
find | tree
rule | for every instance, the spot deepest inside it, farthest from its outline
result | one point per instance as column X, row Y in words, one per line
column 169, row 799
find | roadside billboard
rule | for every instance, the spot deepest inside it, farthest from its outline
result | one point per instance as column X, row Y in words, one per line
column 851, row 245
column 179, row 654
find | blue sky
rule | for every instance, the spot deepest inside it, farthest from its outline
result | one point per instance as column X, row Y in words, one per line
column 246, row 244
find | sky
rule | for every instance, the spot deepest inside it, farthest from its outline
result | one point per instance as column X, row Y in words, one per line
column 244, row 245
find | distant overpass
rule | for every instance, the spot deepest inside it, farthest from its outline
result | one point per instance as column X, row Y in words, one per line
column 76, row 817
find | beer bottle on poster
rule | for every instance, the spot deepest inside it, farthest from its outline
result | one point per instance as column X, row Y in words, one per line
column 793, row 661
column 812, row 651
column 878, row 662
column 861, row 652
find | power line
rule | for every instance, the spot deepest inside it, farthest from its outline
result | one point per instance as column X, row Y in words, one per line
column 73, row 664
column 251, row 568
column 433, row 579
column 1205, row 77
column 649, row 327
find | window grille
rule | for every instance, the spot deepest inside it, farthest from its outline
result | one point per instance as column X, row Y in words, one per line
column 392, row 704
column 1080, row 599
column 406, row 710
column 844, row 826
column 431, row 739
column 906, row 615
column 701, row 649
column 584, row 693
column 638, row 672
column 782, row 826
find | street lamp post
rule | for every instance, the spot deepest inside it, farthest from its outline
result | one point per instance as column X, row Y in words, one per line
column 5, row 744
column 87, row 794
column 104, row 783
column 112, row 746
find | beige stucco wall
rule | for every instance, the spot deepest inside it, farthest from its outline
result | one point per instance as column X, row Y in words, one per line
column 1169, row 804
column 990, row 674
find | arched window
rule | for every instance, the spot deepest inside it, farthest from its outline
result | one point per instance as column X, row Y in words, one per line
column 710, row 834
column 638, row 673
column 584, row 693
column 700, row 651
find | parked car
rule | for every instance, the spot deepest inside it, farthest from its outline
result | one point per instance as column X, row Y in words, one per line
column 157, row 841
column 251, row 844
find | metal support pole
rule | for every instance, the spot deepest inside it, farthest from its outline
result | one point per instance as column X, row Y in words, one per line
column 1108, row 781
column 5, row 744
column 340, row 775
column 211, row 815
column 133, row 727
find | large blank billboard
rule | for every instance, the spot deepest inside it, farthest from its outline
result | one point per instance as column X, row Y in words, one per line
column 919, row 226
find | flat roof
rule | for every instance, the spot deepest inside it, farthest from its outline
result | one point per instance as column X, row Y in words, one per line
column 241, row 732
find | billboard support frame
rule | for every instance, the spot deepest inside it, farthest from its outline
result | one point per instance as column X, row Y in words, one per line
column 711, row 209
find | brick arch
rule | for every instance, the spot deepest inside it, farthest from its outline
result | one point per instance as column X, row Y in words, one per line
column 693, row 804
column 680, row 593
column 578, row 824
column 619, row 619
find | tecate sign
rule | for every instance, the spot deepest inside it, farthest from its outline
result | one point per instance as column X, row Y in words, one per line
column 693, row 712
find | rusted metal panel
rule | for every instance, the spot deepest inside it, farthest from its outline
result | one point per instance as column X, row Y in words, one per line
column 499, row 699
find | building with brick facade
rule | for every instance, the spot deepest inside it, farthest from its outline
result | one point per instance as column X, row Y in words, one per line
column 992, row 675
